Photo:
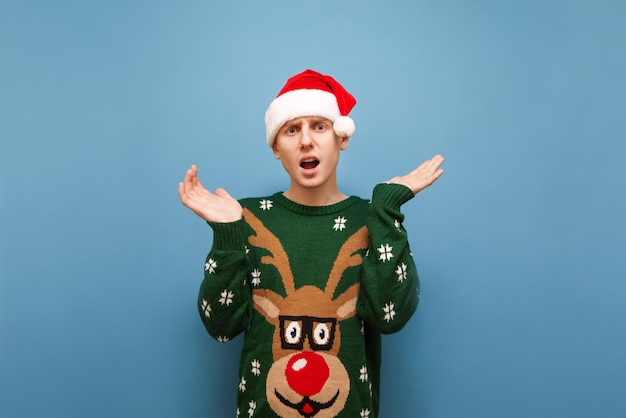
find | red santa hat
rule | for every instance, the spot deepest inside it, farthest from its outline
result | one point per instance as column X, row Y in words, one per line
column 311, row 94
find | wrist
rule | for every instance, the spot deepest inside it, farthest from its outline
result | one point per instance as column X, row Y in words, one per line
column 228, row 235
column 391, row 194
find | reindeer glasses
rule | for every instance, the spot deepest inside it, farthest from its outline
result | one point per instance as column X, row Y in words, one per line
column 319, row 331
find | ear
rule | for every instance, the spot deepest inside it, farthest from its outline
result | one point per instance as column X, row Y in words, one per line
column 275, row 150
column 347, row 302
column 263, row 303
column 344, row 142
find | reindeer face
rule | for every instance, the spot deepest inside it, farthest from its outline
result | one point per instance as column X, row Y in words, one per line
column 306, row 377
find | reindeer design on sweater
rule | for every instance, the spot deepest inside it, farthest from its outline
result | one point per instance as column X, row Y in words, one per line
column 307, row 377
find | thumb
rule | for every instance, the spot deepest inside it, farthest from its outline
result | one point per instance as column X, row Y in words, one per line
column 222, row 193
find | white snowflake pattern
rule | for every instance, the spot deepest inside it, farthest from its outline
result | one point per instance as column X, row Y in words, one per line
column 222, row 339
column 242, row 384
column 365, row 413
column 401, row 272
column 227, row 297
column 363, row 374
column 210, row 266
column 256, row 277
column 362, row 327
column 237, row 412
column 247, row 249
column 266, row 204
column 206, row 308
column 252, row 406
column 256, row 367
column 397, row 224
column 389, row 312
column 340, row 223
column 385, row 252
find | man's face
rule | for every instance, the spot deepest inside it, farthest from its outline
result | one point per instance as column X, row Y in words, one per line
column 309, row 150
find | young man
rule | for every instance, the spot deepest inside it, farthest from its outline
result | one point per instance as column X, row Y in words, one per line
column 311, row 275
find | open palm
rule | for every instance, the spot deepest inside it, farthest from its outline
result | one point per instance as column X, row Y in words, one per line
column 212, row 207
column 423, row 176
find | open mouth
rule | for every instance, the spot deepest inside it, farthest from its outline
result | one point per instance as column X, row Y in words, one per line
column 309, row 163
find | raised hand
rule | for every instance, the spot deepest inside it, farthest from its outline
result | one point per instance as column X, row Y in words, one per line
column 212, row 207
column 423, row 176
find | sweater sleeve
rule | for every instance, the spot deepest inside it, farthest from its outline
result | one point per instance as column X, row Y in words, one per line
column 225, row 297
column 389, row 291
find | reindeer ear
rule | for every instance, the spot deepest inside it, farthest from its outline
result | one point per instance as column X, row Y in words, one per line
column 347, row 310
column 265, row 306
column 347, row 301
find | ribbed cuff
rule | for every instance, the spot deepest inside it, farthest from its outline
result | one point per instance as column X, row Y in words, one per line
column 228, row 235
column 392, row 195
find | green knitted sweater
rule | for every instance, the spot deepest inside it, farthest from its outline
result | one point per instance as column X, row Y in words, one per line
column 312, row 288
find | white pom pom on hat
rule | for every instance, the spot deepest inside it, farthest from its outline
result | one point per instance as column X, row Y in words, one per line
column 344, row 126
column 311, row 94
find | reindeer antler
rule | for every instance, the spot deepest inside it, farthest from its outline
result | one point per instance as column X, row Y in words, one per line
column 347, row 257
column 269, row 242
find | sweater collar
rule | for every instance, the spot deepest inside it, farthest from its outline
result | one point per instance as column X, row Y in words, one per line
column 314, row 210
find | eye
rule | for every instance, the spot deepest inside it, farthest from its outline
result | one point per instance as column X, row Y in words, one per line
column 321, row 334
column 293, row 332
column 320, row 127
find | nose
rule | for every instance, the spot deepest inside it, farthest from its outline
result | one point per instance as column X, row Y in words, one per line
column 307, row 373
column 306, row 138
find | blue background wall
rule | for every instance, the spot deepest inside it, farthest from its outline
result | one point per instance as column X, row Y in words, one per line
column 520, row 246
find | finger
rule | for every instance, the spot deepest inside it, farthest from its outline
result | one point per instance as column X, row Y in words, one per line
column 423, row 170
column 436, row 175
column 198, row 187
column 430, row 166
column 426, row 166
column 433, row 178
column 436, row 160
column 194, row 178
column 187, row 182
column 182, row 193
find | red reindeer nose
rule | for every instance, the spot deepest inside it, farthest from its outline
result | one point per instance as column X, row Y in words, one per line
column 307, row 373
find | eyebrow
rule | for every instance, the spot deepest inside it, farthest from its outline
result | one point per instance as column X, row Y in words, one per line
column 293, row 123
column 312, row 120
column 315, row 120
